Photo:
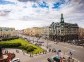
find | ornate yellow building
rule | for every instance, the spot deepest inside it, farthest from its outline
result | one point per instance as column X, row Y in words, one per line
column 35, row 31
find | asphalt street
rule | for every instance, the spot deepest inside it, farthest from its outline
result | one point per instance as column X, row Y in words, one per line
column 78, row 51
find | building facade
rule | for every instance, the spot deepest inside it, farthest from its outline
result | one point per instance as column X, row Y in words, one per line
column 63, row 31
column 35, row 31
column 45, row 32
column 7, row 32
column 26, row 31
column 81, row 33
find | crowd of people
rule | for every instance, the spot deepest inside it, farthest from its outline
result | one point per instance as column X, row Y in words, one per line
column 60, row 57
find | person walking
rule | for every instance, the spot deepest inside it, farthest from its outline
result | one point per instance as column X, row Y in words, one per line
column 70, row 54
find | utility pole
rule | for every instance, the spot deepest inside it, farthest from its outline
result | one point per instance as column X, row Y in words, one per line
column 47, row 41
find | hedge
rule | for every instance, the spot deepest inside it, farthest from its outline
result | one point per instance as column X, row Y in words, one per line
column 10, row 45
column 21, row 44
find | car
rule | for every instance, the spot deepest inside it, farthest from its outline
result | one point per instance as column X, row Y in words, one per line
column 41, row 42
column 15, row 60
column 50, row 59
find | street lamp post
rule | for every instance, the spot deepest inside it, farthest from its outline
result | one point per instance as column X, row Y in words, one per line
column 33, row 39
column 47, row 41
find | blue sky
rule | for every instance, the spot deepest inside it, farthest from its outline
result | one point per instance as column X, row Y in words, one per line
column 29, row 13
column 4, row 2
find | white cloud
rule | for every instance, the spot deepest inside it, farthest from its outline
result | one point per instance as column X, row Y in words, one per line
column 22, row 15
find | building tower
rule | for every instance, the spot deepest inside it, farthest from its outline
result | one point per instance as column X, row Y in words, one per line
column 62, row 18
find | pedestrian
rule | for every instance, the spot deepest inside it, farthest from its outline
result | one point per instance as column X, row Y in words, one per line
column 68, row 60
column 70, row 53
column 49, row 50
column 5, row 51
column 64, row 59
column 52, row 50
column 17, row 51
column 30, row 54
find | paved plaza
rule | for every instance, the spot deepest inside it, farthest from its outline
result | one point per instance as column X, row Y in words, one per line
column 78, row 52
column 24, row 57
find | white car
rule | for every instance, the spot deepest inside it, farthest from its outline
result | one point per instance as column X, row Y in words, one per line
column 15, row 60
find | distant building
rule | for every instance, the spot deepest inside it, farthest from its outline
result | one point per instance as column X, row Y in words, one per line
column 35, row 31
column 81, row 33
column 63, row 31
column 26, row 31
column 7, row 32
column 45, row 33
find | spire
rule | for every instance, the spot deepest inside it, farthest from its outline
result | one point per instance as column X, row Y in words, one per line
column 62, row 19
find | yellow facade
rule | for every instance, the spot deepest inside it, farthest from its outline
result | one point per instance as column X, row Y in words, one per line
column 81, row 32
column 33, row 31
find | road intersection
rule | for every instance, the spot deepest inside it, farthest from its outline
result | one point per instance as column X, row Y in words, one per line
column 78, row 51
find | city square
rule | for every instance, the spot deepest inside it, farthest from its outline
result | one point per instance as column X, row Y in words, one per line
column 41, row 31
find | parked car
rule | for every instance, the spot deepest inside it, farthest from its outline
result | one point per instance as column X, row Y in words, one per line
column 80, row 42
column 15, row 60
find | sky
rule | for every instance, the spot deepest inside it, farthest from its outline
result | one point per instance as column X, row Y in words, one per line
column 21, row 14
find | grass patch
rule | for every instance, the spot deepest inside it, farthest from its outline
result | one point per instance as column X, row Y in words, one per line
column 23, row 44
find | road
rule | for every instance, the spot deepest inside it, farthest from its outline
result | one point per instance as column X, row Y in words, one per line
column 78, row 51
column 26, row 57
